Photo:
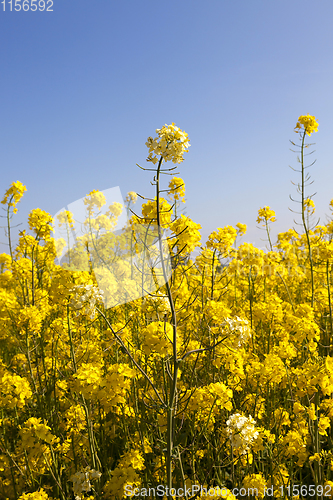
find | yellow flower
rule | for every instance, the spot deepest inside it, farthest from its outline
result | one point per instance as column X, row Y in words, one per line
column 324, row 423
column 255, row 482
column 312, row 412
column 149, row 212
column 94, row 198
column 309, row 204
column 266, row 215
column 222, row 239
column 15, row 192
column 37, row 495
column 170, row 144
column 131, row 197
column 315, row 457
column 115, row 209
column 158, row 338
column 241, row 228
column 308, row 122
column 41, row 223
column 187, row 233
column 242, row 432
column 281, row 417
column 66, row 217
column 177, row 189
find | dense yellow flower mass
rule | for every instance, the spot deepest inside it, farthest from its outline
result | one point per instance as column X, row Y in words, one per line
column 220, row 373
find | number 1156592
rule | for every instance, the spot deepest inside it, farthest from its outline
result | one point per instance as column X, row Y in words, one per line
column 26, row 5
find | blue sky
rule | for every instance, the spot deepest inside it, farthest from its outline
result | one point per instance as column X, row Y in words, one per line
column 82, row 88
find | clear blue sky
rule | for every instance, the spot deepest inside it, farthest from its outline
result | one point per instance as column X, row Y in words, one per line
column 82, row 88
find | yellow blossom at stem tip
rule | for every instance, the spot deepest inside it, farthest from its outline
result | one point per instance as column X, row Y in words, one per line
column 14, row 194
column 308, row 122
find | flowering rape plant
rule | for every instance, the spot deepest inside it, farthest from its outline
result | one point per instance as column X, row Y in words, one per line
column 81, row 481
column 11, row 198
column 213, row 369
column 170, row 144
column 308, row 123
column 84, row 303
column 241, row 431
column 265, row 215
column 239, row 328
column 13, row 195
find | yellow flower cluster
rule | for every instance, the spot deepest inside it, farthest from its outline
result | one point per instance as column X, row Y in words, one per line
column 40, row 223
column 266, row 214
column 149, row 212
column 13, row 195
column 309, row 124
column 37, row 495
column 65, row 217
column 187, row 233
column 222, row 239
column 125, row 474
column 158, row 338
column 156, row 307
column 85, row 299
column 241, row 228
column 94, row 199
column 208, row 402
column 310, row 206
column 14, row 390
column 170, row 144
column 177, row 189
column 241, row 431
column 257, row 483
column 131, row 197
column 81, row 481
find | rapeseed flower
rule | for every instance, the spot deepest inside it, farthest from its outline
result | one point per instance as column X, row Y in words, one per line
column 177, row 189
column 85, row 299
column 256, row 482
column 65, row 217
column 241, row 431
column 131, row 197
column 81, row 481
column 14, row 195
column 41, row 223
column 241, row 228
column 171, row 143
column 266, row 214
column 309, row 124
column 37, row 495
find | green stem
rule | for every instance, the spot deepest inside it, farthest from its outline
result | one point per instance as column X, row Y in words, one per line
column 8, row 228
column 173, row 390
column 330, row 306
column 306, row 229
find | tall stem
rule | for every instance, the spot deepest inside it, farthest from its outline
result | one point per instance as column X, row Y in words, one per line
column 306, row 229
column 173, row 390
column 8, row 229
column 330, row 306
